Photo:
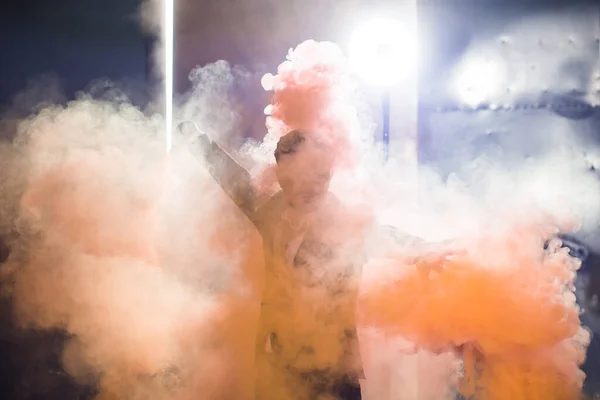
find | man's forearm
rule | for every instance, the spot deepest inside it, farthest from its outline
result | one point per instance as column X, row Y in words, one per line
column 232, row 177
column 392, row 243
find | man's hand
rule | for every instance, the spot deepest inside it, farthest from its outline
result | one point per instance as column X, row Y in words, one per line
column 193, row 136
column 431, row 257
column 189, row 130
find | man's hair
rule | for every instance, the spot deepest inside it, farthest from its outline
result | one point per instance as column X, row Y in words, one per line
column 289, row 144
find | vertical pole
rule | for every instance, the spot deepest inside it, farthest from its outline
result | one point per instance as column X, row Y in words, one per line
column 409, row 373
column 423, row 143
column 386, row 124
column 168, row 39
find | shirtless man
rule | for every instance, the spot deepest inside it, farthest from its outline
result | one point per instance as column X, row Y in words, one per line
column 314, row 251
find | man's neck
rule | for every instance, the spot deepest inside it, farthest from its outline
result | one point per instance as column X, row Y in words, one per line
column 298, row 219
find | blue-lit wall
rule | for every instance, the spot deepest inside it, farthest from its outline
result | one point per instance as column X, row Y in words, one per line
column 546, row 95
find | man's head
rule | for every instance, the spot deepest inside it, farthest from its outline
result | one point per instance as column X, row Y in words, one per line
column 304, row 168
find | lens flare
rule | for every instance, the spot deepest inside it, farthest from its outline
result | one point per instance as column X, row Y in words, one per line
column 382, row 52
column 479, row 81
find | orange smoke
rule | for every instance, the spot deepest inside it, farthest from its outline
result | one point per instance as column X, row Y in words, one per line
column 81, row 205
column 312, row 91
column 515, row 319
column 122, row 252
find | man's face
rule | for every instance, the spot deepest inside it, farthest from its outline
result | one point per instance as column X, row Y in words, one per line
column 304, row 178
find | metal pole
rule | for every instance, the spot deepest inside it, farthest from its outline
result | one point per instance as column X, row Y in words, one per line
column 386, row 124
column 168, row 43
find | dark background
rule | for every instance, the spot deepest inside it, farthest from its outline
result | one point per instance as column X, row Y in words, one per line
column 83, row 42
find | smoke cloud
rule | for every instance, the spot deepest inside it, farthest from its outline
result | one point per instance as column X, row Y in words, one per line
column 158, row 279
column 118, row 246
column 498, row 217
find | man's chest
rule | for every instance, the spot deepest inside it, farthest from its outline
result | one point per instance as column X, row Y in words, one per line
column 316, row 259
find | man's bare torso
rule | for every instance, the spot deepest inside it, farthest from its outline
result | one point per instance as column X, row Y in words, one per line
column 313, row 267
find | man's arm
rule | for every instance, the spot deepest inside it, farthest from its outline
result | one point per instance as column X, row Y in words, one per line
column 231, row 176
column 389, row 242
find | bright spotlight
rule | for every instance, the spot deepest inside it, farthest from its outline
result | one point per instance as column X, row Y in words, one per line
column 479, row 80
column 383, row 52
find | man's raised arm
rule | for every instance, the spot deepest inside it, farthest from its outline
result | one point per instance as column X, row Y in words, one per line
column 231, row 176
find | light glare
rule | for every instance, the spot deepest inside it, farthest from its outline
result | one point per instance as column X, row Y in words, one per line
column 479, row 80
column 383, row 52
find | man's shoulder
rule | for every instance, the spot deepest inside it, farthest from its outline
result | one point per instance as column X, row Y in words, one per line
column 269, row 203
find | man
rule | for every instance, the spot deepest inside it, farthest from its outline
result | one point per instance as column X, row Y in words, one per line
column 314, row 250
